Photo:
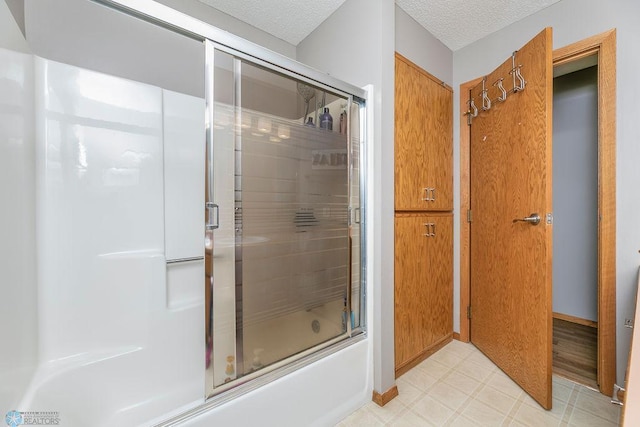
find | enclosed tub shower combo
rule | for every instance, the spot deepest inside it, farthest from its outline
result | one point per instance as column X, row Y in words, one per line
column 187, row 249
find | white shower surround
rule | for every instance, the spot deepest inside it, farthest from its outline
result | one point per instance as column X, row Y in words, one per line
column 113, row 317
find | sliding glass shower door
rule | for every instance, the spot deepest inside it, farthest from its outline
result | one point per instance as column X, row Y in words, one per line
column 283, row 218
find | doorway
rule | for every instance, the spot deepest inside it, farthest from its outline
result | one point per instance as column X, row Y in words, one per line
column 575, row 211
column 602, row 45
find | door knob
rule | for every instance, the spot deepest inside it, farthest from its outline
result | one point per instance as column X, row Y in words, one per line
column 533, row 219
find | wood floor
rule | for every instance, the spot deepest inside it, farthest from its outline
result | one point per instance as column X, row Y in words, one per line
column 575, row 352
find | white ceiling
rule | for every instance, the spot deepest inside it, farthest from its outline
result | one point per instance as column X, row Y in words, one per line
column 289, row 20
column 456, row 23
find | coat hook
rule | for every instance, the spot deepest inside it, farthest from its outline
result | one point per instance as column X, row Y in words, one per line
column 503, row 92
column 472, row 105
column 486, row 102
column 518, row 80
column 521, row 80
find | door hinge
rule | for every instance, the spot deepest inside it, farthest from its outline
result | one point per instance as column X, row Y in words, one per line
column 468, row 312
column 469, row 215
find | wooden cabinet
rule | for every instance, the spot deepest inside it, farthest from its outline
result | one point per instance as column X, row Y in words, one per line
column 423, row 219
column 423, row 285
column 423, row 140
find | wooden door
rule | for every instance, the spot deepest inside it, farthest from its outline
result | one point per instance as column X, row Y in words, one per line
column 423, row 140
column 423, row 286
column 511, row 306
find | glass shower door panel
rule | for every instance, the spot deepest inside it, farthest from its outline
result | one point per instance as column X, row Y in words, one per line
column 284, row 255
column 223, row 310
column 294, row 221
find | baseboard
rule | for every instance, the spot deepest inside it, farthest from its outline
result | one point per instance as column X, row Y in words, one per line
column 404, row 368
column 456, row 336
column 386, row 397
column 577, row 320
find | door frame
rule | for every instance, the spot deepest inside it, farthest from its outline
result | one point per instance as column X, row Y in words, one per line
column 603, row 45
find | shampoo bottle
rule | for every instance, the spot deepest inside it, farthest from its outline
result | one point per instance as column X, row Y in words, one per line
column 326, row 121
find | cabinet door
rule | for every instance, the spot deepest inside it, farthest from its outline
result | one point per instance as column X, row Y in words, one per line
column 423, row 284
column 423, row 140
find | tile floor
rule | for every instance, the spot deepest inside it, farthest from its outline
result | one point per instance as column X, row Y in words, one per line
column 459, row 386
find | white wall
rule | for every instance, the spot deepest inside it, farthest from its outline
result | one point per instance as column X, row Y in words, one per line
column 235, row 26
column 10, row 35
column 91, row 36
column 422, row 48
column 574, row 20
column 356, row 44
column 17, row 9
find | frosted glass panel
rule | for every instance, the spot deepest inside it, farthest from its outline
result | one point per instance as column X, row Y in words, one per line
column 295, row 253
column 286, row 259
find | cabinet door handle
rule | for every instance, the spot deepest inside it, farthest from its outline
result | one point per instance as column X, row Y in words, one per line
column 430, row 228
column 429, row 194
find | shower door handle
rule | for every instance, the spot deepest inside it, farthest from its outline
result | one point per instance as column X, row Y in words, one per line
column 213, row 216
column 356, row 215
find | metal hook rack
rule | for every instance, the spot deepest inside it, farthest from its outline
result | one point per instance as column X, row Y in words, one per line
column 519, row 84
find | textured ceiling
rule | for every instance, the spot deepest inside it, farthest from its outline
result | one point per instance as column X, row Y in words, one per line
column 289, row 20
column 456, row 23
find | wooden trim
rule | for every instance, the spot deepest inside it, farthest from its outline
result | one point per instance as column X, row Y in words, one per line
column 604, row 45
column 456, row 336
column 573, row 319
column 386, row 397
column 576, row 57
column 607, row 211
column 576, row 50
column 465, row 204
column 407, row 366
column 422, row 71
